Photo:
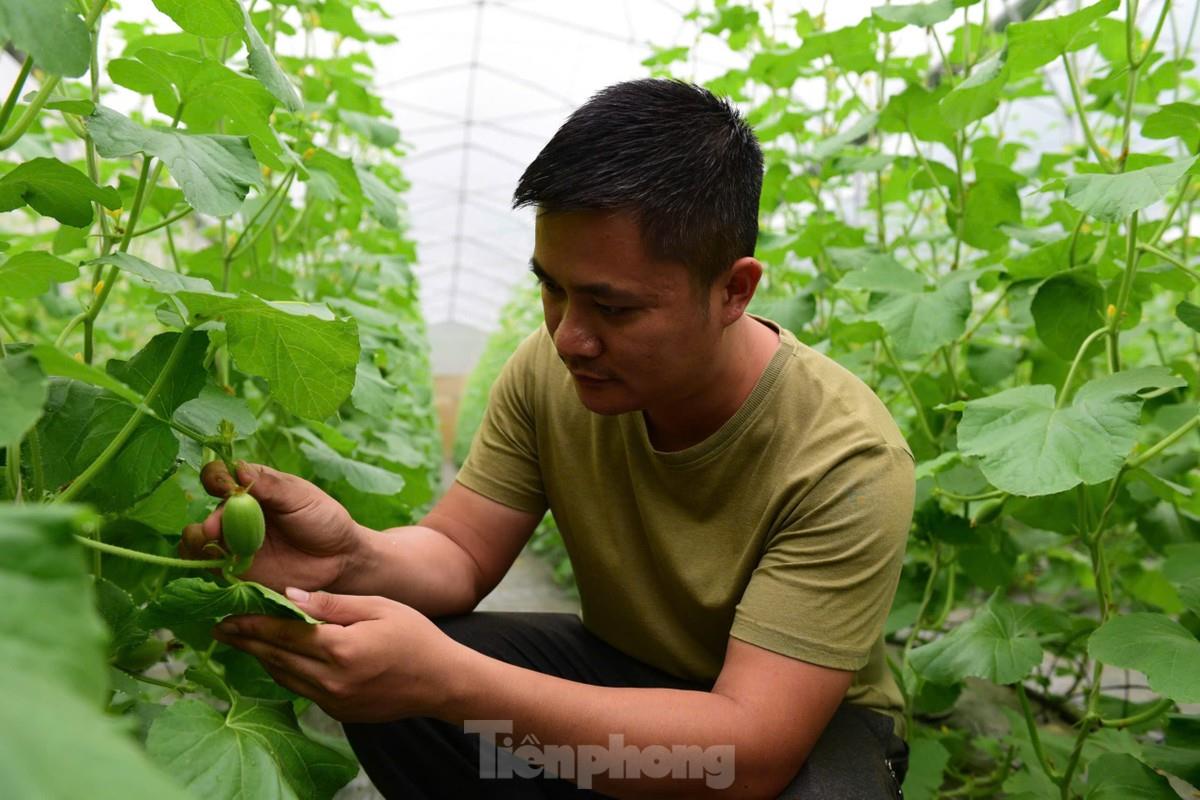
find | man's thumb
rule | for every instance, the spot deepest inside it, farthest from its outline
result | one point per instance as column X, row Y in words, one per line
column 340, row 609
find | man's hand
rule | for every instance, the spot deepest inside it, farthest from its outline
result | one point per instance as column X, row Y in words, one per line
column 374, row 660
column 310, row 536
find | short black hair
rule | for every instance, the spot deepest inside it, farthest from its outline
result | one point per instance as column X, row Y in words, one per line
column 684, row 162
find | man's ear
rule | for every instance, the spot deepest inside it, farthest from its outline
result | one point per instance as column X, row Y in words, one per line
column 737, row 287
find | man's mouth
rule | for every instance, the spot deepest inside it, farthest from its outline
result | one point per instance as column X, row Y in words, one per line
column 583, row 377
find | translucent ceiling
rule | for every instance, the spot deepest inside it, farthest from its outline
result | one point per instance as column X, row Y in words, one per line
column 477, row 88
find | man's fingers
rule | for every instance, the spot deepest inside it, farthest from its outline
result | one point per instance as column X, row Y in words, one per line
column 216, row 479
column 342, row 609
column 192, row 541
column 212, row 523
column 292, row 636
column 277, row 491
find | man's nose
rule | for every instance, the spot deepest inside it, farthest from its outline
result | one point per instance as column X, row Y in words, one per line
column 574, row 338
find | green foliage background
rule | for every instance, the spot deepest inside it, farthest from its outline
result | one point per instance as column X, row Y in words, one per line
column 1018, row 286
column 203, row 254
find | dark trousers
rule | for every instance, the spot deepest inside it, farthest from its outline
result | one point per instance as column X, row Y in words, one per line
column 857, row 757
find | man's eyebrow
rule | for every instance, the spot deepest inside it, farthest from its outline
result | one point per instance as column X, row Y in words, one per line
column 602, row 290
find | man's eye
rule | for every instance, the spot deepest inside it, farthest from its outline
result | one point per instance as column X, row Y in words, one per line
column 551, row 288
column 611, row 311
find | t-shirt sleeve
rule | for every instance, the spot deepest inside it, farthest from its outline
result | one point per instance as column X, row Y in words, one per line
column 502, row 463
column 825, row 583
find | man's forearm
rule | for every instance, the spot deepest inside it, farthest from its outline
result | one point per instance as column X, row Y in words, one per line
column 414, row 565
column 707, row 739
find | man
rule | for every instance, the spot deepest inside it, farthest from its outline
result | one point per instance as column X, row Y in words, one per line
column 735, row 506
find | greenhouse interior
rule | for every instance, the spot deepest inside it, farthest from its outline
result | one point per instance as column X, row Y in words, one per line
column 671, row 398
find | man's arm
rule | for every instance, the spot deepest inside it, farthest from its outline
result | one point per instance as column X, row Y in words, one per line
column 769, row 707
column 445, row 564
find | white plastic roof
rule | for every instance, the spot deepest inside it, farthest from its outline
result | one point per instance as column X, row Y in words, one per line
column 477, row 89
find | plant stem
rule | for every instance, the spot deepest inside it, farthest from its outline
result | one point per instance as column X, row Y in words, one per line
column 1086, row 726
column 149, row 558
column 13, row 467
column 1065, row 391
column 123, row 435
column 35, row 462
column 969, row 498
column 1170, row 259
column 914, row 635
column 11, row 102
column 168, row 221
column 1168, row 440
column 955, row 390
column 9, row 138
column 933, row 178
column 110, row 278
column 27, row 117
column 276, row 194
column 912, row 395
column 181, row 688
column 1104, row 160
column 1131, row 265
column 1164, row 704
column 1034, row 738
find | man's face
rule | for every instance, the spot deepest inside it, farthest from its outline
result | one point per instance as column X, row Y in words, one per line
column 633, row 331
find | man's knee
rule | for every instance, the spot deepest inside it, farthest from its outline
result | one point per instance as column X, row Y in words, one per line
column 513, row 637
column 857, row 756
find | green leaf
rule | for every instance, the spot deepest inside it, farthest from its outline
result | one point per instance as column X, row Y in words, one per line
column 917, row 110
column 22, row 394
column 1028, row 447
column 215, row 172
column 80, row 421
column 27, row 275
column 880, row 272
column 57, row 363
column 1067, row 309
column 793, row 313
column 851, row 48
column 832, row 145
column 212, row 19
column 1112, row 198
column 255, row 749
column 200, row 600
column 998, row 643
column 106, row 763
column 332, row 466
column 117, row 608
column 1165, row 651
column 1036, row 42
column 160, row 280
column 53, row 189
column 308, row 360
column 977, row 96
column 205, row 413
column 1188, row 314
column 1120, row 776
column 992, row 203
column 918, row 319
column 923, row 15
column 48, row 623
column 264, row 67
column 78, row 107
column 337, row 170
column 1175, row 119
column 49, row 30
column 926, row 763
column 373, row 129
column 383, row 203
column 1180, row 754
column 140, row 372
column 165, row 510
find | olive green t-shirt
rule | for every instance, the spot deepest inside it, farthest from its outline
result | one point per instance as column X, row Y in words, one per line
column 785, row 528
